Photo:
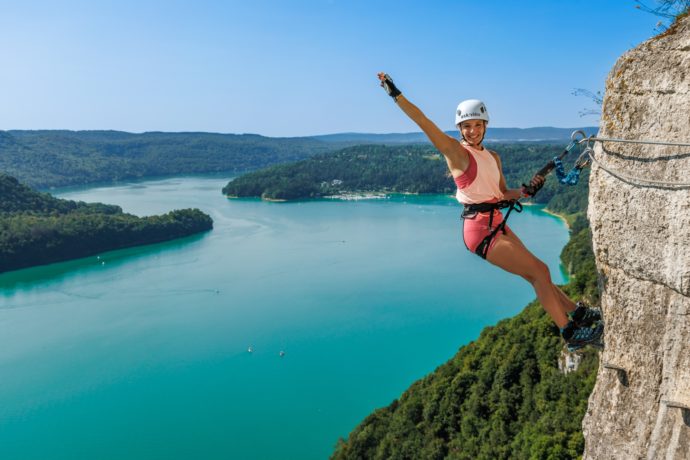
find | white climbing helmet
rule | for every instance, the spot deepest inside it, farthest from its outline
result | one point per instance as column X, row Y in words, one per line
column 471, row 109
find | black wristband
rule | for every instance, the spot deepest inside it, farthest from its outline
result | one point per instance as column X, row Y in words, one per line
column 390, row 87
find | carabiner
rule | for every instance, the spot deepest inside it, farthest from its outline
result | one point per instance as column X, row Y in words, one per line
column 573, row 136
column 579, row 164
column 574, row 140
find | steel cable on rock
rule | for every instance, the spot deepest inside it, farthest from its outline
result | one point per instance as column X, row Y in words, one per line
column 626, row 177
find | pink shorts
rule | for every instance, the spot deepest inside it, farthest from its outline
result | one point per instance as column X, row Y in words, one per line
column 475, row 229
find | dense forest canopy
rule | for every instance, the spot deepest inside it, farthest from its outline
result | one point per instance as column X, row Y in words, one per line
column 57, row 158
column 402, row 169
column 37, row 228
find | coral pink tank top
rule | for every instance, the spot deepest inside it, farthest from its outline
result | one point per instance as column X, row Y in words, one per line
column 480, row 181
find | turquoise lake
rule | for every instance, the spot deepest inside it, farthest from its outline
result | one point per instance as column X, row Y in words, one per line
column 143, row 353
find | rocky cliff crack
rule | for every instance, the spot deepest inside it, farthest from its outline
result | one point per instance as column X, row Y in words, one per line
column 640, row 278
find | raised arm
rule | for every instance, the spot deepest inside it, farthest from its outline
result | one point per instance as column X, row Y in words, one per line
column 455, row 153
column 441, row 140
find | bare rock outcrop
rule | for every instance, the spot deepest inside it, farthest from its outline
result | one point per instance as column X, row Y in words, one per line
column 639, row 212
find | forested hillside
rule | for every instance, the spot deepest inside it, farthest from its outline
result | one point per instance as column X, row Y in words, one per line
column 56, row 158
column 402, row 169
column 36, row 228
column 500, row 397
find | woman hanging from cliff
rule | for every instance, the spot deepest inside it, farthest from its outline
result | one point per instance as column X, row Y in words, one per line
column 482, row 190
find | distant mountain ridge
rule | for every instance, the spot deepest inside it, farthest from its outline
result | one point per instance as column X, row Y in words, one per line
column 53, row 158
column 538, row 134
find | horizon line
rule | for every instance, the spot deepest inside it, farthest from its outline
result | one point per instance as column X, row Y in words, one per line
column 275, row 137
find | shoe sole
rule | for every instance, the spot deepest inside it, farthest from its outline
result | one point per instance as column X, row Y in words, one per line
column 590, row 324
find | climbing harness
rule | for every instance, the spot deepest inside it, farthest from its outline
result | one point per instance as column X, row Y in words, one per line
column 587, row 156
column 589, row 141
column 471, row 210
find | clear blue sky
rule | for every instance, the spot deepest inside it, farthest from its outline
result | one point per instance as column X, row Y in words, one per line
column 292, row 68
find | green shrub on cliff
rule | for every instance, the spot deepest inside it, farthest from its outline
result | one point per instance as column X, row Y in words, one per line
column 501, row 397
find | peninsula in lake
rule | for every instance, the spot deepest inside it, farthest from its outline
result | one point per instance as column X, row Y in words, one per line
column 37, row 228
column 414, row 168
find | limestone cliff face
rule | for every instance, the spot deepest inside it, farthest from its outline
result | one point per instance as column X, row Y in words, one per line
column 641, row 237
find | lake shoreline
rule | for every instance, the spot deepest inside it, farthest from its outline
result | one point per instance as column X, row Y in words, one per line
column 560, row 216
column 378, row 195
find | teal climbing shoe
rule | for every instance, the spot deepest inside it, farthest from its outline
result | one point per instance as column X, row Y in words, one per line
column 577, row 337
column 584, row 316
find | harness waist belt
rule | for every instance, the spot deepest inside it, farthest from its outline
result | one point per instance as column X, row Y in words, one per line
column 471, row 211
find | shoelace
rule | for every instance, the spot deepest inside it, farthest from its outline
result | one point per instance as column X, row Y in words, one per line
column 583, row 334
column 591, row 315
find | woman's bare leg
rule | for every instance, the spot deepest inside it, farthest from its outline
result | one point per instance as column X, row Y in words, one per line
column 565, row 300
column 511, row 255
column 567, row 304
